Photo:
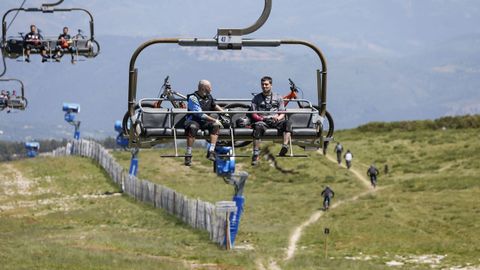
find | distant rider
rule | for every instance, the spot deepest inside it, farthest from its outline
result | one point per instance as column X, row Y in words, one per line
column 373, row 173
column 201, row 100
column 348, row 158
column 328, row 195
column 339, row 150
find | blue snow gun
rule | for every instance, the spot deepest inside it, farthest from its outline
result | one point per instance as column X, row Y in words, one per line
column 71, row 109
column 121, row 139
column 224, row 162
column 32, row 149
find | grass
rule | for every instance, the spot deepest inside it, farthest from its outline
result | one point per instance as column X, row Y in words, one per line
column 428, row 204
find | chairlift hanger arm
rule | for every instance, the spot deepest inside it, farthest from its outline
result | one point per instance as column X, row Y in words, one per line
column 254, row 27
column 4, row 23
column 52, row 4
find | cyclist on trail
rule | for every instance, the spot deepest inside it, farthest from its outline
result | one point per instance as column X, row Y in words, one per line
column 373, row 172
column 272, row 103
column 348, row 158
column 201, row 100
column 328, row 195
column 338, row 149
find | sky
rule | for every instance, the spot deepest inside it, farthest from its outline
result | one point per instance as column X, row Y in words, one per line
column 388, row 60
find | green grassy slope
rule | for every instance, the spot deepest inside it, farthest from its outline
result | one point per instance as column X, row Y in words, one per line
column 427, row 204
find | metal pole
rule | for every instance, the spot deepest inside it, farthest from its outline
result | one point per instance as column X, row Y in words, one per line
column 261, row 21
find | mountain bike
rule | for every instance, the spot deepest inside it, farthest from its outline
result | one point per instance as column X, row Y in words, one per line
column 326, row 203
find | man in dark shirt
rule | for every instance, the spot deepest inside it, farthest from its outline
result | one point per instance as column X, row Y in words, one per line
column 271, row 103
column 373, row 172
column 33, row 40
column 201, row 100
column 327, row 194
column 64, row 43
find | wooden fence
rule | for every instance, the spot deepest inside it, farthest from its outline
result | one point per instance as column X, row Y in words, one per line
column 198, row 214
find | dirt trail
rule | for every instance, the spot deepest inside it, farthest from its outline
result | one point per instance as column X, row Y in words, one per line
column 297, row 232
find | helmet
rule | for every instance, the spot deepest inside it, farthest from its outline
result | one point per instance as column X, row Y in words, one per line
column 242, row 122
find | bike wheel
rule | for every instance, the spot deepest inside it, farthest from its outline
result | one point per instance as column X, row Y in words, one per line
column 329, row 124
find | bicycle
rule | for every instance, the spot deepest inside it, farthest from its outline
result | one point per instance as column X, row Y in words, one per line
column 176, row 99
column 326, row 203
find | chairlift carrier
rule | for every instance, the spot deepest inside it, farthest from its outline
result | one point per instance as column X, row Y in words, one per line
column 13, row 47
column 17, row 103
column 150, row 126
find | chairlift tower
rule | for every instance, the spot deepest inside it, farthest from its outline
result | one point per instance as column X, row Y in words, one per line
column 122, row 141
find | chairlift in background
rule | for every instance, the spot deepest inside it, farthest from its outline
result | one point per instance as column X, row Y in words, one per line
column 14, row 46
column 12, row 100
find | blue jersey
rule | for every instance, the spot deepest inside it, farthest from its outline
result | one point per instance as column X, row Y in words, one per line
column 196, row 103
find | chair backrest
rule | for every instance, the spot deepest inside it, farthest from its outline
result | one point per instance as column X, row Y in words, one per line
column 301, row 119
column 178, row 117
column 155, row 118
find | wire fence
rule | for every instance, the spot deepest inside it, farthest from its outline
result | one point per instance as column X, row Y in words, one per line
column 196, row 213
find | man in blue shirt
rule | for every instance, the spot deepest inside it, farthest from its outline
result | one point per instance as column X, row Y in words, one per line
column 201, row 100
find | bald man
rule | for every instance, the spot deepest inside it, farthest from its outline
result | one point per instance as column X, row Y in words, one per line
column 201, row 100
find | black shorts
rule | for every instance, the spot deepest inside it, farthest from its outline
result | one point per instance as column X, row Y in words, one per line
column 30, row 47
column 261, row 126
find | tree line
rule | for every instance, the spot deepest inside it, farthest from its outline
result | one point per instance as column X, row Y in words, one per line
column 15, row 150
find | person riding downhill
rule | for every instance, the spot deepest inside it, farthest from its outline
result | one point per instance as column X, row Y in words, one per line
column 373, row 172
column 327, row 194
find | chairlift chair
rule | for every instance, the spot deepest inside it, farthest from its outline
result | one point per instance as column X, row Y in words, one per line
column 147, row 126
column 14, row 102
column 13, row 46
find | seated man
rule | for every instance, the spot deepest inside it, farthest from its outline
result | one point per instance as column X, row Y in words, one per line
column 3, row 99
column 269, row 102
column 200, row 101
column 64, row 44
column 33, row 40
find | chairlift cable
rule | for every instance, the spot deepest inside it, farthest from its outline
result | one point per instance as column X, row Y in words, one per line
column 15, row 16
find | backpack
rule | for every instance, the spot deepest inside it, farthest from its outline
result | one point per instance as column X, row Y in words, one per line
column 339, row 148
column 372, row 171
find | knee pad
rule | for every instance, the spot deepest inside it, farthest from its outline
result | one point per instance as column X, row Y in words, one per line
column 192, row 129
column 258, row 130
